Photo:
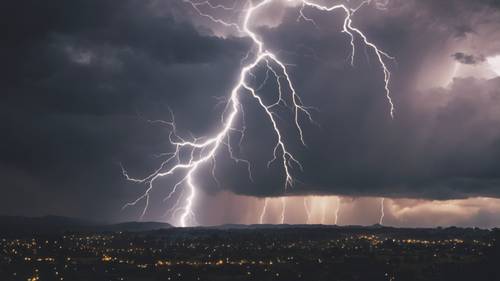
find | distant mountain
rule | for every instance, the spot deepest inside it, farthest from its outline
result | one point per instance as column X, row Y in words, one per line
column 135, row 226
column 14, row 225
column 271, row 226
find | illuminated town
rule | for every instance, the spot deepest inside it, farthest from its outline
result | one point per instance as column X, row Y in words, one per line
column 255, row 253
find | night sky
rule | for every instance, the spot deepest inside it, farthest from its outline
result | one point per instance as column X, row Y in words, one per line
column 81, row 79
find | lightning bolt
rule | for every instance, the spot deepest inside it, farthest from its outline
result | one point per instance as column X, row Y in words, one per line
column 264, row 210
column 308, row 210
column 337, row 210
column 283, row 210
column 382, row 211
column 203, row 150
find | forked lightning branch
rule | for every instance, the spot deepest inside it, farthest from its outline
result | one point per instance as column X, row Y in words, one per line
column 203, row 149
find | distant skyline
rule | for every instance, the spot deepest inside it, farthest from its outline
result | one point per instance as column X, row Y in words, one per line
column 81, row 79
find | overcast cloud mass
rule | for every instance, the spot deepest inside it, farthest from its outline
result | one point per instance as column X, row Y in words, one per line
column 81, row 78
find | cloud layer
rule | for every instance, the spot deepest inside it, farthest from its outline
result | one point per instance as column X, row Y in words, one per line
column 79, row 80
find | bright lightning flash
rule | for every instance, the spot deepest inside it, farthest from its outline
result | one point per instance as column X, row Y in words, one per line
column 203, row 150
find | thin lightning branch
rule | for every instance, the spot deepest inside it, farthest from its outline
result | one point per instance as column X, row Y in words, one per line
column 214, row 167
column 349, row 29
column 235, row 158
column 212, row 6
column 196, row 6
column 308, row 211
column 203, row 150
column 264, row 210
column 283, row 210
column 175, row 208
column 337, row 210
column 382, row 211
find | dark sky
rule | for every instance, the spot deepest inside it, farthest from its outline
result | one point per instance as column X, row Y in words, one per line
column 81, row 78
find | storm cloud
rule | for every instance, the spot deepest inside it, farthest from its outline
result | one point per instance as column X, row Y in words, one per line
column 80, row 79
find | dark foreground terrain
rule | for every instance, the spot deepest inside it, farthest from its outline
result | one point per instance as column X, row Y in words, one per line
column 233, row 253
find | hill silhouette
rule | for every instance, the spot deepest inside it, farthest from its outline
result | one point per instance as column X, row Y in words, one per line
column 16, row 225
